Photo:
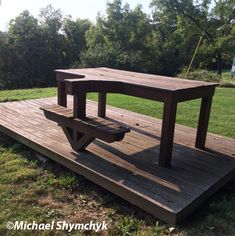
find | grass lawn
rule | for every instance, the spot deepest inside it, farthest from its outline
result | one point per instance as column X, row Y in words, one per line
column 33, row 190
column 227, row 80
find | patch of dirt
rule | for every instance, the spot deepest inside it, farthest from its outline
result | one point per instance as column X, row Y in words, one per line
column 77, row 210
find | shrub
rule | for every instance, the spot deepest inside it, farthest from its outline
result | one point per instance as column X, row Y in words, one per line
column 100, row 55
column 202, row 75
column 227, row 85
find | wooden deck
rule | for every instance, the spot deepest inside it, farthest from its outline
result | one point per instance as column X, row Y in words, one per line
column 129, row 168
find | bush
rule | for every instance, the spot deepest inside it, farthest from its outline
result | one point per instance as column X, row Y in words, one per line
column 227, row 85
column 202, row 75
column 100, row 55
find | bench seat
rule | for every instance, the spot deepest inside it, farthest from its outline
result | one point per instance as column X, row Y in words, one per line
column 94, row 127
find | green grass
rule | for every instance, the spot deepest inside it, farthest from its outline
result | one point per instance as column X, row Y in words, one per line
column 222, row 119
column 23, row 94
column 227, row 80
column 31, row 190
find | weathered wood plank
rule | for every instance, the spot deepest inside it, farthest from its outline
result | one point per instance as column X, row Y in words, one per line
column 162, row 82
column 129, row 168
column 152, row 142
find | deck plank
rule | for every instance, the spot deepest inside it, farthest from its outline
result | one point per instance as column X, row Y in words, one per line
column 129, row 168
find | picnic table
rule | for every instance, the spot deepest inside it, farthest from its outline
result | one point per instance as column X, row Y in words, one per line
column 170, row 91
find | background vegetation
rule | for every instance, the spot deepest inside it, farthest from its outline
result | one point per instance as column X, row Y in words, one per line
column 162, row 43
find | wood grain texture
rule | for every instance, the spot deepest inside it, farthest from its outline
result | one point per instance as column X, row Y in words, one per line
column 88, row 126
column 156, row 81
column 129, row 168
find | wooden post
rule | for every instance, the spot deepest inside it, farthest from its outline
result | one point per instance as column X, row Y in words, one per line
column 167, row 136
column 61, row 96
column 102, row 105
column 203, row 122
column 79, row 105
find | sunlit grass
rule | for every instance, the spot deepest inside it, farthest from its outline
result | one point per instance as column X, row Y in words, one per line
column 23, row 94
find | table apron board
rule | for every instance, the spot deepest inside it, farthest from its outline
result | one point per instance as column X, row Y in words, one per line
column 157, row 94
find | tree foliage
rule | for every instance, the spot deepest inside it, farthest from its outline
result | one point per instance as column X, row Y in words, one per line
column 33, row 48
column 161, row 43
column 213, row 20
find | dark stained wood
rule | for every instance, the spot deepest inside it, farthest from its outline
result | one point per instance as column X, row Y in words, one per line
column 203, row 121
column 167, row 136
column 61, row 94
column 129, row 168
column 194, row 94
column 102, row 105
column 69, row 134
column 79, row 105
column 155, row 81
column 74, row 86
column 60, row 76
column 82, row 142
column 81, row 131
column 114, row 80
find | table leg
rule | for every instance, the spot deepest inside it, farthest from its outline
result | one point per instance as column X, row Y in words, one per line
column 102, row 105
column 79, row 105
column 61, row 94
column 203, row 122
column 167, row 136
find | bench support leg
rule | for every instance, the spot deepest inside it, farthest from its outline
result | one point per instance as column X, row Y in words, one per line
column 68, row 133
column 102, row 105
column 77, row 140
column 167, row 136
column 83, row 142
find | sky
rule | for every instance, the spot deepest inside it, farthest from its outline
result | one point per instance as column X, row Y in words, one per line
column 9, row 9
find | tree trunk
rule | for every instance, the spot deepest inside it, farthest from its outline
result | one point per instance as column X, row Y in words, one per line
column 219, row 63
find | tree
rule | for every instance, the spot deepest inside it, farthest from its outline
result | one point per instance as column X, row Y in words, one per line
column 4, row 59
column 51, row 22
column 75, row 38
column 221, row 46
column 30, row 51
column 123, row 38
column 213, row 23
column 121, row 35
column 22, row 44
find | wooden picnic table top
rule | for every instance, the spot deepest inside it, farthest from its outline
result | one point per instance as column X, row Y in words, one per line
column 157, row 82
